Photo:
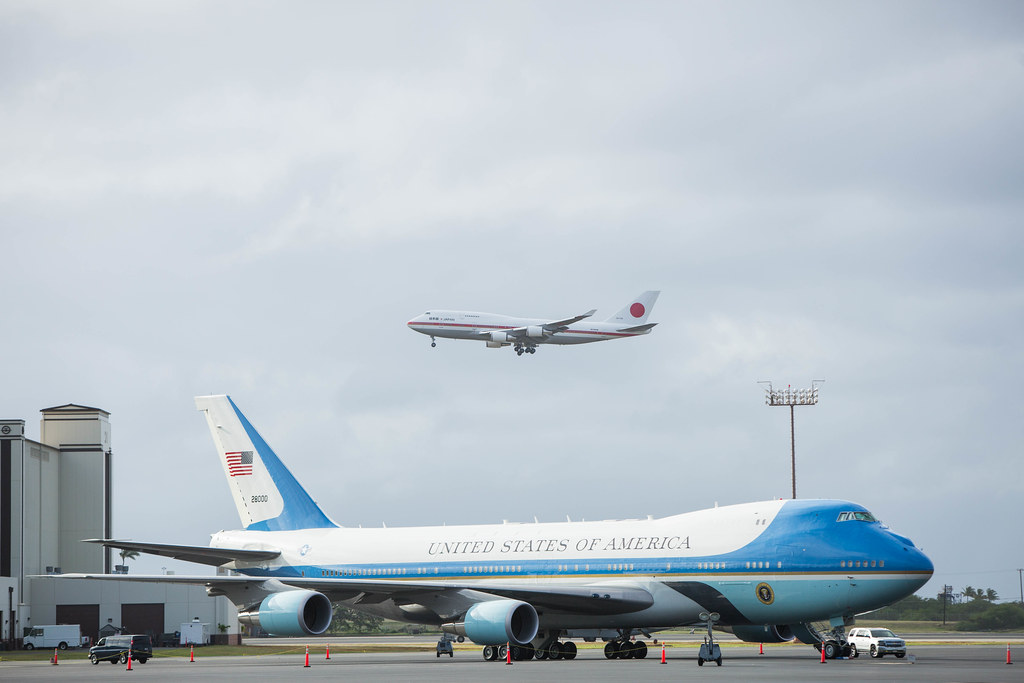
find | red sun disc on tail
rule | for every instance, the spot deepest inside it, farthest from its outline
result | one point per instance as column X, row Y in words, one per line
column 637, row 310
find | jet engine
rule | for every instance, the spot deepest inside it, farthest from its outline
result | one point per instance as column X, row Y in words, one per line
column 497, row 622
column 499, row 336
column 290, row 613
column 762, row 634
column 535, row 332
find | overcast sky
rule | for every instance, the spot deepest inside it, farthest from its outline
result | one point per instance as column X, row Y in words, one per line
column 253, row 198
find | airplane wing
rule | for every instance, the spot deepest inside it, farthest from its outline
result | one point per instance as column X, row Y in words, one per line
column 553, row 327
column 595, row 599
column 558, row 325
column 199, row 554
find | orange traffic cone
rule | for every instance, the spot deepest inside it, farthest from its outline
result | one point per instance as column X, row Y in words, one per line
column 1008, row 660
column 663, row 653
column 822, row 652
column 760, row 649
column 328, row 651
column 508, row 654
column 191, row 653
column 53, row 660
column 129, row 661
column 307, row 657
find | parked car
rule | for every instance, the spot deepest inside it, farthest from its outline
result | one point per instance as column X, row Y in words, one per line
column 876, row 641
column 115, row 649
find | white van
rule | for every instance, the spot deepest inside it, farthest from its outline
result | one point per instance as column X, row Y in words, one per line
column 62, row 637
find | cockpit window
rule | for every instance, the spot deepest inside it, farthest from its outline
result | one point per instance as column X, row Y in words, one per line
column 856, row 516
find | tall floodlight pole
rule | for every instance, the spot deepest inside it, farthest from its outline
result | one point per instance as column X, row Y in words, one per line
column 792, row 397
column 1020, row 579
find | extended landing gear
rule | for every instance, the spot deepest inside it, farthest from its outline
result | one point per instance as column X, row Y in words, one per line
column 493, row 652
column 432, row 343
column 521, row 653
column 625, row 649
column 520, row 349
column 710, row 651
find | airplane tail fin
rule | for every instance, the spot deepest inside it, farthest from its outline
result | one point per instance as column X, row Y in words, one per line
column 637, row 311
column 266, row 494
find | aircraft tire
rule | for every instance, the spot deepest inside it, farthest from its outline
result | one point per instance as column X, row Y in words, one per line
column 555, row 650
column 831, row 649
column 528, row 651
column 626, row 650
column 490, row 653
column 639, row 650
column 611, row 650
column 541, row 653
column 569, row 650
column 502, row 652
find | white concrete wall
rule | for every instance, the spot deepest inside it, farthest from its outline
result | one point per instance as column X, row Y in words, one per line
column 181, row 602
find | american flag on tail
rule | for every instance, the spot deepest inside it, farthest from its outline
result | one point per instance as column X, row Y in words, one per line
column 239, row 463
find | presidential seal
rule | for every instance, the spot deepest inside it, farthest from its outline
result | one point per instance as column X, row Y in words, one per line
column 765, row 593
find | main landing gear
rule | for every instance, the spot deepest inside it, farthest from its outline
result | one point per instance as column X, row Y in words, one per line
column 552, row 650
column 432, row 342
column 625, row 649
column 520, row 349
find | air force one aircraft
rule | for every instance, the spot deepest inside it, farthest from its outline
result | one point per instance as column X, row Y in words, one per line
column 524, row 334
column 772, row 571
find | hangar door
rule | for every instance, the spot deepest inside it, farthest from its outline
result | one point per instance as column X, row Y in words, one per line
column 86, row 616
column 143, row 617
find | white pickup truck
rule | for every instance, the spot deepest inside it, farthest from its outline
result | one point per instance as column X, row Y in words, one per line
column 876, row 641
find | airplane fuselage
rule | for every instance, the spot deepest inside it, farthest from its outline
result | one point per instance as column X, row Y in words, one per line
column 774, row 562
column 492, row 326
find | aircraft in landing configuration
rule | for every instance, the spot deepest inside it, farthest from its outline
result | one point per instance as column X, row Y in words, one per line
column 525, row 334
column 768, row 572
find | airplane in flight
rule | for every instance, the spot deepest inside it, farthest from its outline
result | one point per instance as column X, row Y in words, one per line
column 525, row 334
column 768, row 571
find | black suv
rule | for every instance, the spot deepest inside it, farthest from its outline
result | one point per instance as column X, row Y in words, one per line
column 115, row 649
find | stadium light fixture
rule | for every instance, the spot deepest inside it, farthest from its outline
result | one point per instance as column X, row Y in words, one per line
column 792, row 397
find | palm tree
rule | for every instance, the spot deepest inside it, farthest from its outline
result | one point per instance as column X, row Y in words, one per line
column 991, row 595
column 970, row 592
column 127, row 554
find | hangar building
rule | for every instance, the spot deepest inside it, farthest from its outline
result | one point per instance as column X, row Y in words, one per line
column 53, row 493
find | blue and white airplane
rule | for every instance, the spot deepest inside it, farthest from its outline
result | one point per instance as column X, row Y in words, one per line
column 524, row 334
column 772, row 571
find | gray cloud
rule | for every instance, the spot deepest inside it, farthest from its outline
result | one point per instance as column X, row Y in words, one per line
column 253, row 198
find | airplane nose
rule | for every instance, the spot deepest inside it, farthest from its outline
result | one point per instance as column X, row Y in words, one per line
column 923, row 562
